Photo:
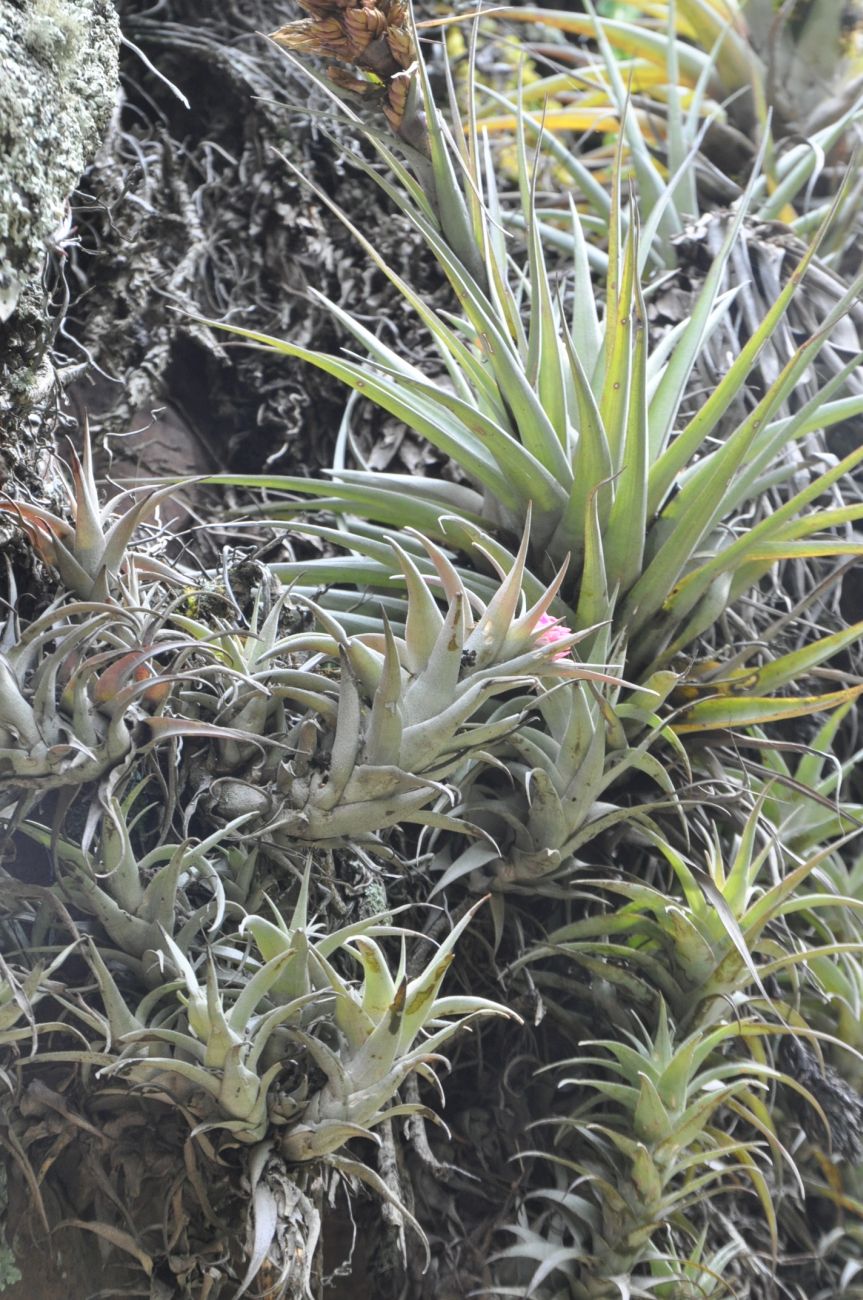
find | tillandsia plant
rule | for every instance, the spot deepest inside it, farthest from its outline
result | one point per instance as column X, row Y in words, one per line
column 711, row 945
column 594, row 665
column 647, row 1138
column 278, row 1052
column 138, row 900
column 669, row 518
column 82, row 702
column 92, row 552
column 224, row 1050
column 408, row 707
column 21, row 990
column 272, row 734
column 803, row 787
column 564, row 766
column 759, row 50
column 581, row 426
column 67, row 714
column 644, row 1149
column 689, row 85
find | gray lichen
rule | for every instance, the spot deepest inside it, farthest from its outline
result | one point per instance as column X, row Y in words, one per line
column 58, row 88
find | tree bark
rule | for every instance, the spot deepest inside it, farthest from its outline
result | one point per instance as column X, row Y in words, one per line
column 58, row 90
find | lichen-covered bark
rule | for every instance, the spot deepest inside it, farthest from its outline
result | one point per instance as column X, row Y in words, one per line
column 58, row 89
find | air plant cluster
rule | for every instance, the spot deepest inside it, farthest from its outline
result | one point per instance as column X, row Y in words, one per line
column 570, row 725
column 129, row 719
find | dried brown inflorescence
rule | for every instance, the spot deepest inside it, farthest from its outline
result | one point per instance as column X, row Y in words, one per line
column 372, row 35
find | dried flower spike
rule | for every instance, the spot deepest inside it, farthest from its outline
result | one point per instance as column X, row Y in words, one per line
column 372, row 35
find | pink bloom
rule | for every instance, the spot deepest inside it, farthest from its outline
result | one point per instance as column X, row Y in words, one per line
column 551, row 630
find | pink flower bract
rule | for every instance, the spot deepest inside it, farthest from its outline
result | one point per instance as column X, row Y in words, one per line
column 550, row 630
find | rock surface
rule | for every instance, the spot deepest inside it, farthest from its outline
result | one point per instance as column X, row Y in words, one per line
column 58, row 90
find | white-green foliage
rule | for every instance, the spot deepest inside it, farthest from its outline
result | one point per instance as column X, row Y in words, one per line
column 568, row 420
column 575, row 416
column 670, row 913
